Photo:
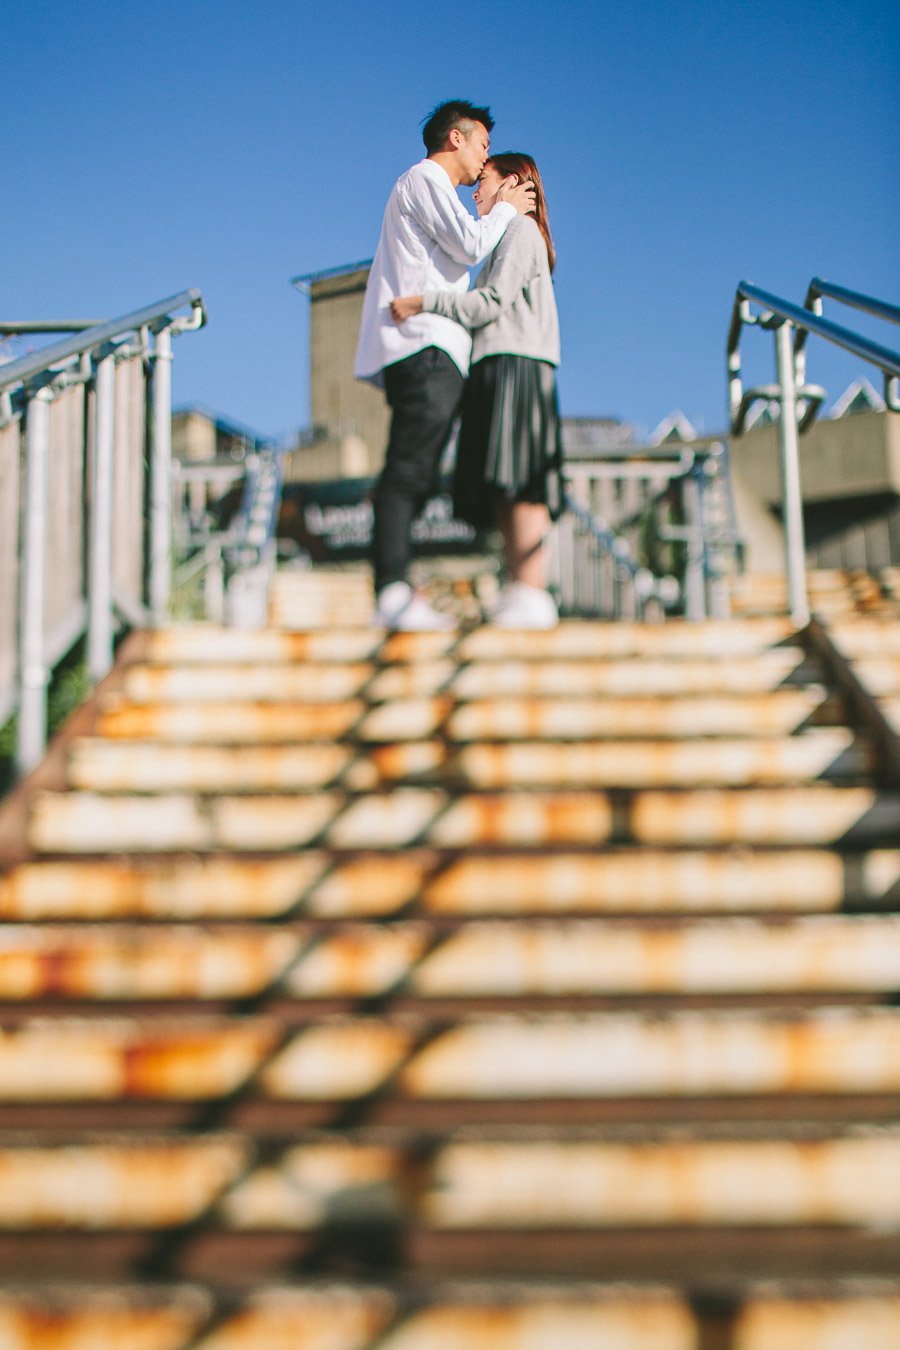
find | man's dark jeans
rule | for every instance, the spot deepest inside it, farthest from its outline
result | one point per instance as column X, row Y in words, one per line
column 424, row 393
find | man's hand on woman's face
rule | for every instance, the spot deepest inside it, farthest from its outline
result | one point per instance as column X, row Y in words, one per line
column 405, row 306
column 519, row 195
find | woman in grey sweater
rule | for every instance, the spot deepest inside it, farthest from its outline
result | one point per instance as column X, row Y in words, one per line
column 508, row 465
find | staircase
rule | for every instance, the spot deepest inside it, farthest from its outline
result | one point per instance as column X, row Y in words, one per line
column 430, row 991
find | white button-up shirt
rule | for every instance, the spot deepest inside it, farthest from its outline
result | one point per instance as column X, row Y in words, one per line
column 428, row 242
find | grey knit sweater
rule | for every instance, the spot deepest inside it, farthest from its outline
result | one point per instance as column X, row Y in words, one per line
column 512, row 308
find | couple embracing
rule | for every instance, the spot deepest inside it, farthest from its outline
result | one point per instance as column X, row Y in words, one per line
column 423, row 331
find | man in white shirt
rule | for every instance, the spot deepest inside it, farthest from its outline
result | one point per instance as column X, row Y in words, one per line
column 428, row 242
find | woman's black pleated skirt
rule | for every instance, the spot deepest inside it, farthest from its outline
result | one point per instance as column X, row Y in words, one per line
column 509, row 439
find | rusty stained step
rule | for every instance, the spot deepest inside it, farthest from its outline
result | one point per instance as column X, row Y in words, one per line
column 647, row 881
column 479, row 959
column 99, row 765
column 193, row 1059
column 410, row 717
column 781, row 712
column 129, row 963
column 339, row 1317
column 619, row 881
column 633, row 1055
column 839, row 1181
column 135, row 1183
column 823, row 752
column 84, row 822
column 842, row 1182
column 110, row 1319
column 778, row 713
column 185, row 888
column 209, row 645
column 624, row 677
column 862, row 640
column 236, row 723
column 327, row 683
column 819, row 954
column 539, row 1057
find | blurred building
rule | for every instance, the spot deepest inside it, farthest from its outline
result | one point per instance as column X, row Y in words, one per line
column 210, row 456
column 850, row 472
column 349, row 419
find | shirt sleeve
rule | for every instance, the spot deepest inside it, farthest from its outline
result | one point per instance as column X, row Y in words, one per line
column 442, row 216
column 514, row 264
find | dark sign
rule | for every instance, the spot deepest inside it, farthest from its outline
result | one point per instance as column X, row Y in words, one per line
column 333, row 521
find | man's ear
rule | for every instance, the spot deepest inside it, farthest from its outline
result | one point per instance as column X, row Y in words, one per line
column 455, row 138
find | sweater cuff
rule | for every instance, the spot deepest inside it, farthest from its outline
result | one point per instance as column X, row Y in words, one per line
column 431, row 301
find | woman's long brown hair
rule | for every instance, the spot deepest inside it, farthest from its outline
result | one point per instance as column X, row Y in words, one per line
column 524, row 168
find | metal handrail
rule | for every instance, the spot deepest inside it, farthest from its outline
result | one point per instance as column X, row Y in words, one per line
column 28, row 387
column 784, row 317
column 15, row 327
column 666, row 590
column 15, row 372
column 819, row 288
column 888, row 361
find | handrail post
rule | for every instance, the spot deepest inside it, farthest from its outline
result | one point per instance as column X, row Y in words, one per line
column 31, row 739
column 100, row 620
column 161, row 480
column 694, row 572
column 794, row 542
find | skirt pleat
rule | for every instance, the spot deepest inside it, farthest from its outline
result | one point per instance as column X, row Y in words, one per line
column 509, row 439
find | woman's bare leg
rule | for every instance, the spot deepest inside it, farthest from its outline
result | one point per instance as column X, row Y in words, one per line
column 523, row 526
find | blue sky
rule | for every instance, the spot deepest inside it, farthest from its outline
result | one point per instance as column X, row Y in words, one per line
column 234, row 143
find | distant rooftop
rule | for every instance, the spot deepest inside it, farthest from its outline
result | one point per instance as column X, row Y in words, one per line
column 303, row 283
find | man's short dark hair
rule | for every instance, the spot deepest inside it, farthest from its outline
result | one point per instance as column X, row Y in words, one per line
column 456, row 112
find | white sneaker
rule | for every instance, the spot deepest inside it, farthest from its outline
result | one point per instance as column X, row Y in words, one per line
column 523, row 606
column 398, row 606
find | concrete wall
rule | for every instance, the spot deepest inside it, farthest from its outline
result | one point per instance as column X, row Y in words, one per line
column 850, row 476
column 193, row 437
column 852, row 456
column 351, row 418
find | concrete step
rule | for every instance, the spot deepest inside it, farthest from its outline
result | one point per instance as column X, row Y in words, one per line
column 150, row 766
column 153, row 1183
column 778, row 1183
column 326, row 1316
column 866, row 639
column 573, row 718
column 115, row 1318
column 404, row 718
column 322, row 682
column 628, row 1055
column 329, row 683
column 576, row 640
column 821, row 955
column 210, row 645
column 90, row 822
column 625, row 677
column 552, row 1056
column 195, row 723
column 722, row 956
column 96, row 962
column 68, row 1059
column 648, row 880
column 181, row 888
column 847, row 1181
column 618, row 881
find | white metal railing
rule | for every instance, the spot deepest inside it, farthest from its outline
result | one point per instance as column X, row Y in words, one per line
column 798, row 401
column 236, row 563
column 86, row 428
column 644, row 531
